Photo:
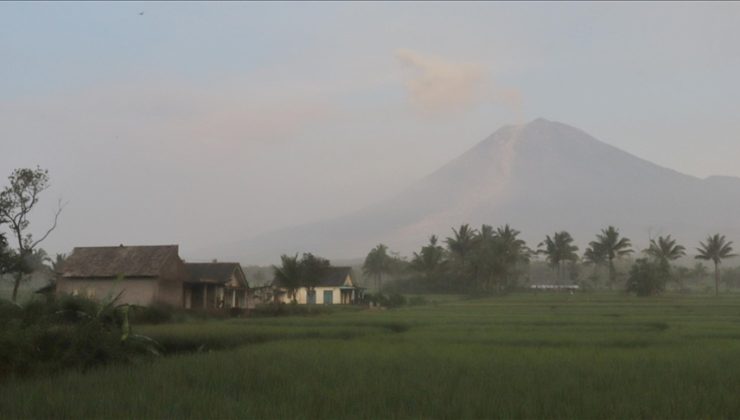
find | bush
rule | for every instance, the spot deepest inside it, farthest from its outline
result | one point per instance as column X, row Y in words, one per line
column 289, row 309
column 393, row 300
column 155, row 314
column 45, row 336
column 646, row 278
column 418, row 300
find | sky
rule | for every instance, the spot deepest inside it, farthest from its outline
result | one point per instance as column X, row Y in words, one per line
column 200, row 124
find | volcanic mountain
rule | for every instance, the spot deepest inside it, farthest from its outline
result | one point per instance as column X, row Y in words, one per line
column 538, row 177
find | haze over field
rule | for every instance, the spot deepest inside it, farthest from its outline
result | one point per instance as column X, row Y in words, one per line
column 211, row 124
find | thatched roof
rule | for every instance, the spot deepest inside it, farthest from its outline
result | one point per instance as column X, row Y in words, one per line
column 334, row 277
column 215, row 272
column 114, row 261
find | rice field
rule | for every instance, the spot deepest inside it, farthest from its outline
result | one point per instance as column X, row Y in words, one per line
column 521, row 356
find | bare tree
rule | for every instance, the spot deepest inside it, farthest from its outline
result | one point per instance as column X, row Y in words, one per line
column 16, row 202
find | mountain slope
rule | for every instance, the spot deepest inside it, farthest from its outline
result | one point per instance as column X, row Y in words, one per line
column 539, row 177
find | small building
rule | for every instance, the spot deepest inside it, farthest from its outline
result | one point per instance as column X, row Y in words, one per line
column 216, row 285
column 146, row 275
column 143, row 275
column 556, row 287
column 335, row 287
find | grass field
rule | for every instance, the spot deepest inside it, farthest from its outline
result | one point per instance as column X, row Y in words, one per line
column 523, row 356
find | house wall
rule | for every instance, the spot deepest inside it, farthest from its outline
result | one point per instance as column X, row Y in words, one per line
column 136, row 291
column 302, row 295
column 171, row 290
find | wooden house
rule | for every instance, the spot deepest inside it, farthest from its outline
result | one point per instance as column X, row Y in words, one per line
column 216, row 285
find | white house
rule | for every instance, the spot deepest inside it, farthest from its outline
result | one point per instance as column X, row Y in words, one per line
column 335, row 287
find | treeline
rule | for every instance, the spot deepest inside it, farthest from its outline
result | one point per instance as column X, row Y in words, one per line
column 496, row 260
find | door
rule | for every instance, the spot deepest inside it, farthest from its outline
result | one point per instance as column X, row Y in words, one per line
column 328, row 297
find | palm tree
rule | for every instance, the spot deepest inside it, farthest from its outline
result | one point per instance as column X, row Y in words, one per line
column 58, row 262
column 312, row 270
column 288, row 275
column 558, row 250
column 515, row 251
column 377, row 263
column 462, row 242
column 613, row 247
column 430, row 260
column 665, row 250
column 594, row 255
column 716, row 248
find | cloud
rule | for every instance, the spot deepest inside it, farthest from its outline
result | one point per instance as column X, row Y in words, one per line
column 439, row 85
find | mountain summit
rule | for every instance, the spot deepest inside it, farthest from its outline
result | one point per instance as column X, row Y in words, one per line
column 539, row 177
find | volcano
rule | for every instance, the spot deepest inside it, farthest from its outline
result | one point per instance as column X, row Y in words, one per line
column 539, row 177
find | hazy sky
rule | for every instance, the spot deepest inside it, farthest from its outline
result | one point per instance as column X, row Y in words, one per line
column 200, row 124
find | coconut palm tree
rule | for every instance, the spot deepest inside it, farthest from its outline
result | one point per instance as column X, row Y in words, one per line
column 613, row 247
column 558, row 250
column 715, row 249
column 462, row 243
column 594, row 255
column 664, row 250
column 515, row 251
column 430, row 260
column 378, row 263
column 58, row 262
column 288, row 275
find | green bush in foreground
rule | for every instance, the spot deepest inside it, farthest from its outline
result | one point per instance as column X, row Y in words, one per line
column 46, row 336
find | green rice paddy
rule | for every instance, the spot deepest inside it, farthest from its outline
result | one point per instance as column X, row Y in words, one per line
column 520, row 356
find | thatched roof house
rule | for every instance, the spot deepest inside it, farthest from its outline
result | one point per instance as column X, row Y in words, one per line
column 142, row 274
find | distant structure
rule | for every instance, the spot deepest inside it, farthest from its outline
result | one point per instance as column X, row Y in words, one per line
column 556, row 287
column 216, row 285
column 147, row 275
column 335, row 287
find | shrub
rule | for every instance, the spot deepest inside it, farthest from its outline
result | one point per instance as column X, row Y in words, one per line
column 393, row 300
column 155, row 314
column 418, row 300
column 396, row 300
column 646, row 278
column 45, row 336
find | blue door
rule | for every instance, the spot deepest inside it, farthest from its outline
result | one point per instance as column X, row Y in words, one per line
column 328, row 297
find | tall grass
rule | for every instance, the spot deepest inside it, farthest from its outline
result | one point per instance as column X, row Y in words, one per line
column 533, row 356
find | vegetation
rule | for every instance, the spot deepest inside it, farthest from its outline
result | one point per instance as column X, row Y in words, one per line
column 716, row 248
column 610, row 247
column 559, row 250
column 294, row 273
column 46, row 336
column 604, row 356
column 647, row 278
column 664, row 251
column 430, row 263
column 17, row 200
column 377, row 264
